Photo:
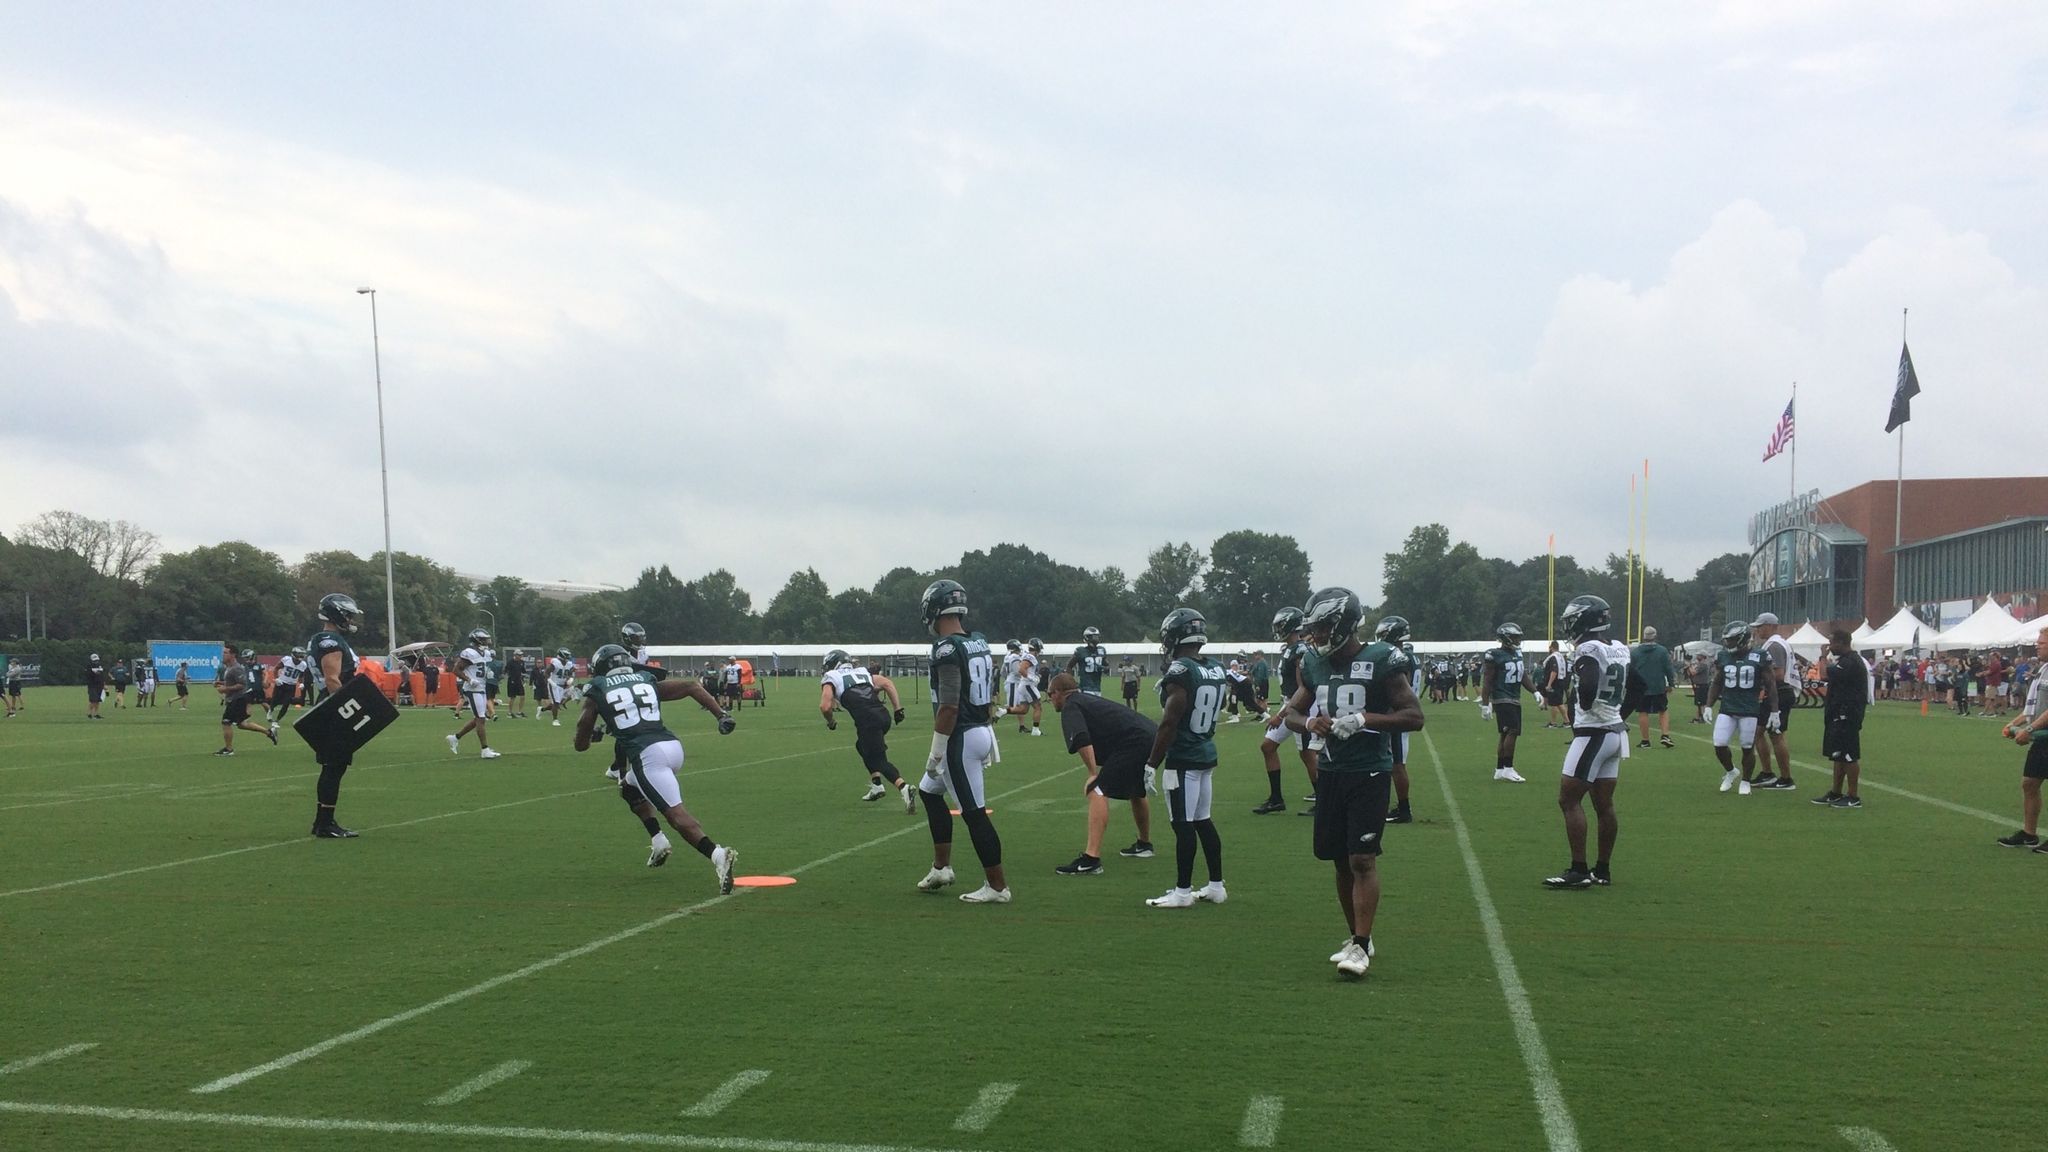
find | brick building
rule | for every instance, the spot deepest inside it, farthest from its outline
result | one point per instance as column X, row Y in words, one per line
column 1832, row 559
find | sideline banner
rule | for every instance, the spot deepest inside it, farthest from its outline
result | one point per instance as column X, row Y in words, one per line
column 200, row 657
column 28, row 668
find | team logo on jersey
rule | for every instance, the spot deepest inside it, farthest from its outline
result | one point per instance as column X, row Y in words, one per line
column 1179, row 666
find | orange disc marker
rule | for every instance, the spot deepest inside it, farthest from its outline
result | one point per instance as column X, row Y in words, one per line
column 956, row 811
column 763, row 881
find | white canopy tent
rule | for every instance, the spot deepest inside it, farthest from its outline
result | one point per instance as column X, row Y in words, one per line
column 1807, row 643
column 1859, row 635
column 1901, row 631
column 2026, row 631
column 1990, row 626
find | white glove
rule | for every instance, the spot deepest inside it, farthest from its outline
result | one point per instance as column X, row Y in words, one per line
column 1776, row 723
column 1486, row 711
column 935, row 764
column 1151, row 773
column 1345, row 727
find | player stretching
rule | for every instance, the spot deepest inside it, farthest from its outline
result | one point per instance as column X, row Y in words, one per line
column 963, row 744
column 472, row 671
column 848, row 685
column 1191, row 694
column 628, row 700
column 1500, row 694
column 1602, row 696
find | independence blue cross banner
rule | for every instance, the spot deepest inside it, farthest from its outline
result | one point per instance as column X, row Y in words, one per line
column 200, row 657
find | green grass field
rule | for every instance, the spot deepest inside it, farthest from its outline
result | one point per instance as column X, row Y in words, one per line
column 1764, row 974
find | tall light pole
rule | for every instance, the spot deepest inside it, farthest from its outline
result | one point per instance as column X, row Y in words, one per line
column 384, row 476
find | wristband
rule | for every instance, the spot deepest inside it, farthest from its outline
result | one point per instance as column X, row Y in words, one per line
column 938, row 755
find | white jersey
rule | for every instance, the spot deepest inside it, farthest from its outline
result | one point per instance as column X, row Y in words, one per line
column 1011, row 664
column 2037, row 694
column 475, row 670
column 732, row 673
column 640, row 656
column 288, row 672
column 1781, row 659
column 1611, row 660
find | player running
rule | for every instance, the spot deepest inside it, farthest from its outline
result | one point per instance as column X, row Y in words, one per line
column 1500, row 694
column 628, row 700
column 1603, row 694
column 848, row 686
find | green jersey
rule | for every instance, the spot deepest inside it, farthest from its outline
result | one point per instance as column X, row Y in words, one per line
column 1652, row 664
column 1363, row 684
column 964, row 676
column 631, row 711
column 1744, row 677
column 322, row 643
column 1261, row 671
column 1194, row 742
column 1508, row 674
column 1089, row 664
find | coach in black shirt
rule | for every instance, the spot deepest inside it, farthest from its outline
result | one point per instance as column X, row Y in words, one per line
column 1113, row 742
column 1842, row 736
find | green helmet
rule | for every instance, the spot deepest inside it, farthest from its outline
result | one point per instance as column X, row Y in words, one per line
column 1584, row 616
column 1736, row 635
column 1392, row 629
column 632, row 635
column 1182, row 626
column 943, row 598
column 1286, row 622
column 610, row 658
column 1333, row 614
column 1510, row 633
column 339, row 609
column 835, row 658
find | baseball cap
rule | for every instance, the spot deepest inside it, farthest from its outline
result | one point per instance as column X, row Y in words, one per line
column 1763, row 619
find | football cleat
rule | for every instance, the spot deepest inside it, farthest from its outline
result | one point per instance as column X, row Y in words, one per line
column 332, row 831
column 1082, row 866
column 1173, row 898
column 986, row 895
column 873, row 793
column 1142, row 850
column 1353, row 961
column 272, row 733
column 455, row 745
column 1729, row 778
column 935, row 879
column 489, row 754
column 1570, row 878
column 1508, row 774
column 224, row 752
column 722, row 860
column 658, row 852
column 909, row 798
column 1742, row 787
column 1212, row 892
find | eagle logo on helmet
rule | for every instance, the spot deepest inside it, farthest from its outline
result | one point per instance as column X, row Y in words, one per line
column 339, row 609
column 1510, row 633
column 1736, row 636
column 942, row 598
column 1182, row 626
column 479, row 638
column 1584, row 616
column 1392, row 629
column 632, row 635
column 1331, row 619
column 1286, row 622
column 835, row 658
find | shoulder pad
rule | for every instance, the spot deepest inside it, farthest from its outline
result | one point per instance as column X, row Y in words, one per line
column 1177, row 668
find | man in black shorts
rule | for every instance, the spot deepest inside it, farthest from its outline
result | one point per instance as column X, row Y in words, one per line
column 95, row 685
column 240, row 684
column 1130, row 673
column 1112, row 742
column 184, row 684
column 1841, row 738
column 2029, row 729
column 1359, row 696
column 515, row 685
column 1552, row 686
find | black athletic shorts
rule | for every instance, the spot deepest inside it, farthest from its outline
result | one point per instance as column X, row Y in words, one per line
column 14, row 687
column 1553, row 697
column 1263, row 689
column 2037, row 758
column 184, row 690
column 516, row 690
column 236, row 710
column 1131, row 690
column 490, row 689
column 1124, row 778
column 1841, row 738
column 283, row 695
column 868, row 740
column 1656, row 703
column 94, row 695
column 1507, row 718
column 1787, row 697
column 1351, row 812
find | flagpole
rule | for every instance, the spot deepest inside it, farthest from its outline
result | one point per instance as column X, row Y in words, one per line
column 1550, row 612
column 1792, row 486
column 1643, row 554
column 1899, row 484
column 1628, row 604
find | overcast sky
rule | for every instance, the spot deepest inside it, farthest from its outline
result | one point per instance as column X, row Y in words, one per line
column 850, row 286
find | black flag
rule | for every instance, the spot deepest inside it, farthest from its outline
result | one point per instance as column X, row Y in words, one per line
column 1902, row 396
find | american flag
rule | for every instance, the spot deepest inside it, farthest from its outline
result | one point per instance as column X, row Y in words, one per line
column 1781, row 439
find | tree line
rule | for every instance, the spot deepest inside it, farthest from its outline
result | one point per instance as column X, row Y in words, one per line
column 87, row 579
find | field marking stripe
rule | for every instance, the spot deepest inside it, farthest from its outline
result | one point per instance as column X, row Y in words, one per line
column 721, row 1097
column 446, row 1131
column 476, row 1084
column 1558, row 1129
column 1867, row 1139
column 1866, row 782
column 374, row 828
column 987, row 1105
column 1261, row 1122
column 538, row 966
column 28, row 1062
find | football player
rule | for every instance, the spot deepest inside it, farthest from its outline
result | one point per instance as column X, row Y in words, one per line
column 95, row 685
column 1287, row 630
column 1500, row 694
column 1742, row 689
column 1603, row 694
column 1393, row 630
column 13, row 688
column 240, row 685
column 628, row 701
column 561, row 671
column 1113, row 743
column 1356, row 696
column 1088, row 663
column 120, row 678
column 284, row 687
column 1191, row 694
column 472, row 672
column 963, row 744
column 1783, row 695
column 334, row 662
column 1552, row 686
column 846, row 685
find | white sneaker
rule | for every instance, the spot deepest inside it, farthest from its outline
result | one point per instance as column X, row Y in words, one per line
column 1742, row 788
column 658, row 851
column 935, row 879
column 909, row 791
column 489, row 754
column 1355, row 962
column 722, row 860
column 1346, row 946
column 612, row 774
column 1035, row 731
column 1212, row 892
column 874, row 792
column 1233, row 719
column 455, row 745
column 986, row 895
column 1729, row 778
column 1509, row 775
column 558, row 724
column 1174, row 898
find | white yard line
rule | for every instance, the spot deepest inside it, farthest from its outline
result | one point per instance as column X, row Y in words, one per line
column 1866, row 1140
column 28, row 1062
column 559, row 958
column 722, row 1096
column 373, row 828
column 986, row 1107
column 1559, row 1132
column 1895, row 790
column 476, row 1084
column 1261, row 1122
column 445, row 1132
